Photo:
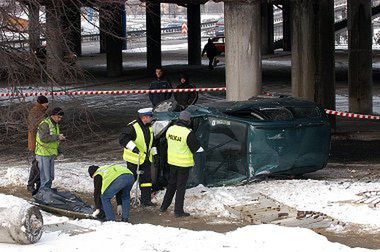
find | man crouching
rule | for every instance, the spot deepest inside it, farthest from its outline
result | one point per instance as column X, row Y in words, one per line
column 111, row 180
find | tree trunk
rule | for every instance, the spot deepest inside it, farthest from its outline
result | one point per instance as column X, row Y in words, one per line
column 20, row 224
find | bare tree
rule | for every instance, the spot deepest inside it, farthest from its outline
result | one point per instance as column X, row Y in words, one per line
column 38, row 46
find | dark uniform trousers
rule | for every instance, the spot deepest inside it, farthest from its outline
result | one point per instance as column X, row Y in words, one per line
column 177, row 185
column 34, row 181
column 145, row 178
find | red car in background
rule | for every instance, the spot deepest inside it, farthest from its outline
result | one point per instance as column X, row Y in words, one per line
column 219, row 43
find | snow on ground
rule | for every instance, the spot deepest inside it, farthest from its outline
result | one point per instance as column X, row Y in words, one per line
column 304, row 195
column 114, row 236
column 324, row 196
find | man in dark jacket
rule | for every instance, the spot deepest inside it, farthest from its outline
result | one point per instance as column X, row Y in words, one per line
column 184, row 99
column 211, row 52
column 182, row 146
column 161, row 82
column 137, row 141
column 36, row 115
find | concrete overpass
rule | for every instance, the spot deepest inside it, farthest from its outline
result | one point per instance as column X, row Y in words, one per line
column 308, row 30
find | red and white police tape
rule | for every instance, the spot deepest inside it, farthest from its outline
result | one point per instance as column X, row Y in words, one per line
column 114, row 92
column 343, row 114
column 351, row 115
column 158, row 91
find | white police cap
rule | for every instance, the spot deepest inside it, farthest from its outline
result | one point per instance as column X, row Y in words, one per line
column 145, row 111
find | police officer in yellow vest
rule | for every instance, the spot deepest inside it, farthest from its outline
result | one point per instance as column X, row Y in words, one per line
column 111, row 180
column 182, row 145
column 47, row 145
column 137, row 140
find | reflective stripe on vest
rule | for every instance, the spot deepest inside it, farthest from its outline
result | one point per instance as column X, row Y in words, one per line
column 109, row 173
column 47, row 149
column 179, row 153
column 132, row 157
column 146, row 185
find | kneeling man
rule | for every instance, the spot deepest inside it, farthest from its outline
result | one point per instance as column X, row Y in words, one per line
column 111, row 180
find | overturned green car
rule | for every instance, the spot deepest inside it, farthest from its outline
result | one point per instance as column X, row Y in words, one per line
column 243, row 140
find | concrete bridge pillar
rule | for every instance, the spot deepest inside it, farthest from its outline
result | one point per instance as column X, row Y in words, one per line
column 194, row 34
column 113, row 40
column 34, row 26
column 286, row 24
column 243, row 49
column 267, row 26
column 124, row 26
column 360, row 56
column 313, row 62
column 71, row 25
column 102, row 29
column 153, row 34
column 325, row 78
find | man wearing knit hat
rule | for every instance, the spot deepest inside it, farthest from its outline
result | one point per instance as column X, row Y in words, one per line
column 111, row 180
column 47, row 145
column 36, row 115
column 137, row 141
column 182, row 146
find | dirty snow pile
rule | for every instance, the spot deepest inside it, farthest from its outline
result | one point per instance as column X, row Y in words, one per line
column 331, row 197
column 116, row 236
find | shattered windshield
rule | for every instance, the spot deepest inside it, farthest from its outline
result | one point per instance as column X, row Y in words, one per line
column 225, row 158
column 312, row 112
column 277, row 113
column 159, row 127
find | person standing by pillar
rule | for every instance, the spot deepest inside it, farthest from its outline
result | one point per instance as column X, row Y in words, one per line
column 47, row 145
column 182, row 145
column 161, row 82
column 185, row 99
column 36, row 115
column 137, row 141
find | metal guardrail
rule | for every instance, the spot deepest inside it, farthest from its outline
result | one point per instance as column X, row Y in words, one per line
column 130, row 34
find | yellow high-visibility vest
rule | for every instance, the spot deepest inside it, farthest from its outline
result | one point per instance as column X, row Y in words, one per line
column 47, row 149
column 132, row 157
column 109, row 173
column 179, row 153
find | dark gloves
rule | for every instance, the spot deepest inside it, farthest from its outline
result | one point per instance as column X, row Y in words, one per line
column 101, row 216
column 135, row 150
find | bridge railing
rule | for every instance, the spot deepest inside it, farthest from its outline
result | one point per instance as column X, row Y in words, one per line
column 130, row 34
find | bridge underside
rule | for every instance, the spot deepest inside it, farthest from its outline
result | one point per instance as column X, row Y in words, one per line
column 308, row 28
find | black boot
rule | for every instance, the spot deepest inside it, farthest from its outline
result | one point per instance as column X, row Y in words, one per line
column 181, row 214
column 146, row 197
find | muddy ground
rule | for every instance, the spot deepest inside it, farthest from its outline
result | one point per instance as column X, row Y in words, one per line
column 93, row 127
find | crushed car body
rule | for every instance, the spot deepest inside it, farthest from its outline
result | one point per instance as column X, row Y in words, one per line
column 243, row 140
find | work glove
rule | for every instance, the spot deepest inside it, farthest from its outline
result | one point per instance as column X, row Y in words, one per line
column 200, row 150
column 132, row 146
column 96, row 213
column 119, row 210
column 60, row 157
column 154, row 151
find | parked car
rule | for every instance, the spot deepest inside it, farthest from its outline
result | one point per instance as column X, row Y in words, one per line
column 219, row 28
column 243, row 140
column 219, row 43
